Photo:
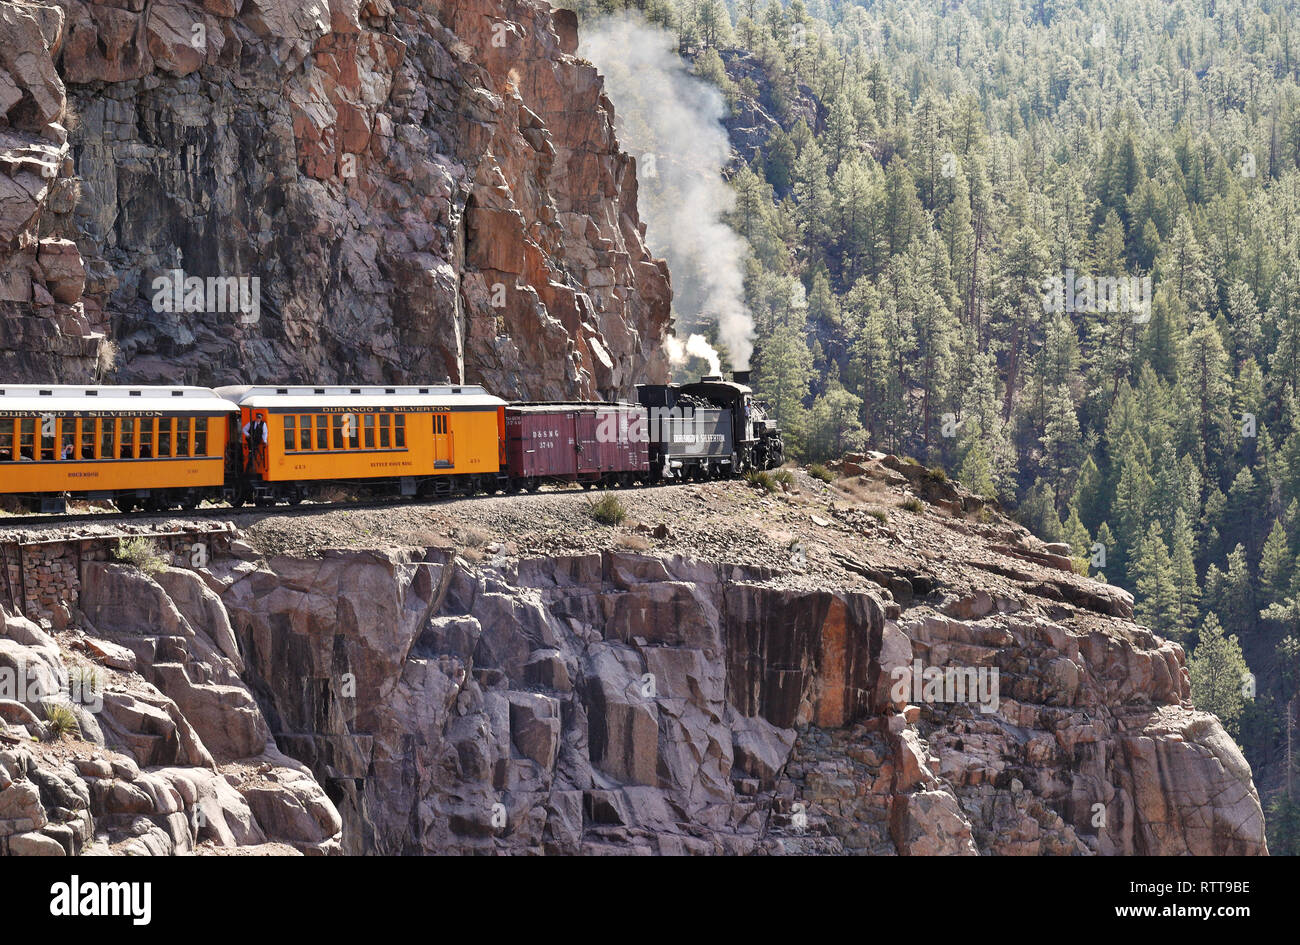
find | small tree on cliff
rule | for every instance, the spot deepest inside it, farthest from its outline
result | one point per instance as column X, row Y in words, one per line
column 1219, row 674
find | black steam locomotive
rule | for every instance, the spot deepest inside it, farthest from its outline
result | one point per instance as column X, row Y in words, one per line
column 709, row 428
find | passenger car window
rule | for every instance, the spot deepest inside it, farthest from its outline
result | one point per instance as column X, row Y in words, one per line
column 89, row 434
column 126, row 447
column 147, row 437
column 48, row 434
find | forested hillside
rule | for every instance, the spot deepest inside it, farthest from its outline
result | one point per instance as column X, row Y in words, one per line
column 1054, row 248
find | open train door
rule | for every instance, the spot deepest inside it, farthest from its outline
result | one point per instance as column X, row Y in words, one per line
column 256, row 459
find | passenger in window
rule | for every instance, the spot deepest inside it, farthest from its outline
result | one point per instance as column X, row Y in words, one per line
column 69, row 450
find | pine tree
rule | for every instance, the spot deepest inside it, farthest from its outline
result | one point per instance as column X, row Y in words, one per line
column 834, row 427
column 975, row 470
column 1182, row 266
column 1212, row 545
column 1090, row 498
column 1231, row 594
column 784, row 371
column 1218, row 671
column 841, row 131
column 1284, row 323
column 1244, row 321
column 901, row 212
column 1062, row 443
column 1129, row 508
column 1020, row 303
column 1038, row 513
column 936, row 330
column 1101, row 551
column 1242, row 511
column 1163, row 345
column 753, row 217
column 1152, row 574
column 1287, row 811
column 959, row 238
column 1276, row 565
column 1168, row 493
column 812, row 194
column 1182, row 558
column 1207, row 380
column 1074, row 532
column 859, row 242
column 1289, row 468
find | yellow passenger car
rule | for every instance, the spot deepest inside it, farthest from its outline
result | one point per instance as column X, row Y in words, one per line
column 415, row 440
column 152, row 447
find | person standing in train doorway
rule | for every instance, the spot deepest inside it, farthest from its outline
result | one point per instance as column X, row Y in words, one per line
column 254, row 440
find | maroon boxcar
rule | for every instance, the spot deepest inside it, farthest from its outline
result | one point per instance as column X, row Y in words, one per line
column 588, row 443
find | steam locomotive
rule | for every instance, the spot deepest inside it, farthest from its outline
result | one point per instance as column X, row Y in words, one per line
column 158, row 448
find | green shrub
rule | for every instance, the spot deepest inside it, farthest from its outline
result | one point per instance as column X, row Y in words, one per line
column 142, row 553
column 61, row 721
column 913, row 504
column 936, row 474
column 761, row 479
column 608, row 509
column 785, row 478
column 880, row 515
column 818, row 471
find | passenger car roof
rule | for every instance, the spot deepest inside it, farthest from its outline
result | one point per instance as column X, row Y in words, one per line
column 306, row 397
column 78, row 397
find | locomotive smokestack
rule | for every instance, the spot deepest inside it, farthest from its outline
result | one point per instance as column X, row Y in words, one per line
column 740, row 377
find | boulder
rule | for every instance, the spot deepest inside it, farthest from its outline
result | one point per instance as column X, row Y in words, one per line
column 35, row 844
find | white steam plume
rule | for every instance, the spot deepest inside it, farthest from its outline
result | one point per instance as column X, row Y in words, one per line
column 672, row 123
column 696, row 345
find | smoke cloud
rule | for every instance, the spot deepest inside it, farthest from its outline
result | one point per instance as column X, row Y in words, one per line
column 672, row 123
column 696, row 346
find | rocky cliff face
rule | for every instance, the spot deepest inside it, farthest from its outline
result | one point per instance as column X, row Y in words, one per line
column 718, row 675
column 130, row 769
column 617, row 702
column 419, row 190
